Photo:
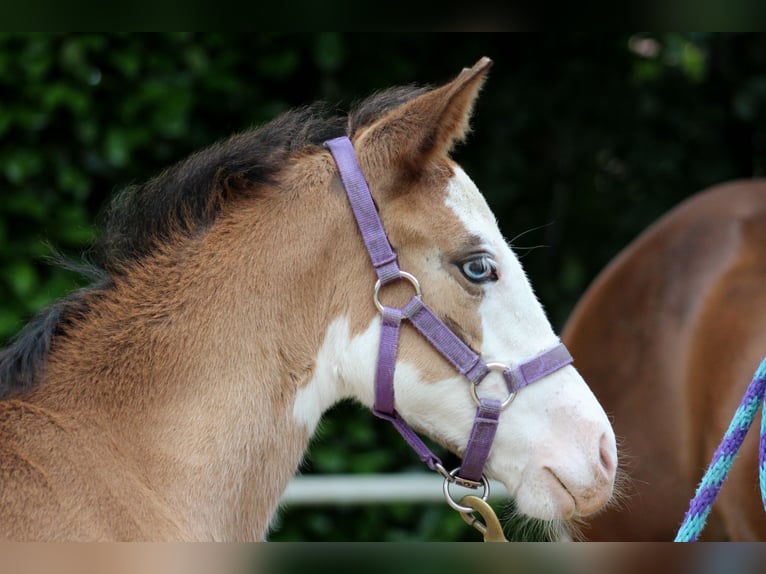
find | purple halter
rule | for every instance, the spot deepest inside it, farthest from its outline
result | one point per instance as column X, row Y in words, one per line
column 465, row 360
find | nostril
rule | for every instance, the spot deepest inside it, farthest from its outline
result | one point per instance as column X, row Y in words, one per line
column 607, row 455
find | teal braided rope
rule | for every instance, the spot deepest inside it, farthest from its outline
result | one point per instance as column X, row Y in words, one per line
column 724, row 456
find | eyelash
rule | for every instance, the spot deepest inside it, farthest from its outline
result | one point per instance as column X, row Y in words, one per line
column 487, row 270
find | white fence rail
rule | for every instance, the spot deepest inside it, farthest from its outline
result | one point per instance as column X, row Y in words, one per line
column 351, row 489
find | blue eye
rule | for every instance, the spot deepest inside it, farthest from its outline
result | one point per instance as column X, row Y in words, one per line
column 481, row 269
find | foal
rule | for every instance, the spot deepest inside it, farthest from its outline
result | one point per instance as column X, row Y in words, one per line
column 174, row 399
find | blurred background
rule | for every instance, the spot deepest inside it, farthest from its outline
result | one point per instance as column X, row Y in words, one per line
column 580, row 141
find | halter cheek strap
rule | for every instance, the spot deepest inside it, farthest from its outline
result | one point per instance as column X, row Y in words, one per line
column 450, row 346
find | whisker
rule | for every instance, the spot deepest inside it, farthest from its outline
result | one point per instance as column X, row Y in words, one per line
column 521, row 528
column 527, row 250
column 530, row 230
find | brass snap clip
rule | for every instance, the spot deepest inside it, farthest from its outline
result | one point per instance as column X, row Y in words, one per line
column 490, row 528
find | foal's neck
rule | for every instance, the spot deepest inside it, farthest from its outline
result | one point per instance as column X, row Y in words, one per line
column 193, row 360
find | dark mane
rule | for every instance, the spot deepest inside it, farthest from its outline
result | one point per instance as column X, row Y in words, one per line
column 186, row 198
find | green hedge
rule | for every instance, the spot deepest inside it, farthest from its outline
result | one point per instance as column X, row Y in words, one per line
column 580, row 141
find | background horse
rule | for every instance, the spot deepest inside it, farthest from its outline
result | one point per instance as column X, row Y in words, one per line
column 174, row 398
column 669, row 336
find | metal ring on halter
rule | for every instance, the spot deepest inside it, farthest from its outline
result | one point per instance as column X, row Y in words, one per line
column 494, row 367
column 402, row 275
column 451, row 501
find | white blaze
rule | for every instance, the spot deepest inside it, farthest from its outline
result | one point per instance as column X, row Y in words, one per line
column 554, row 440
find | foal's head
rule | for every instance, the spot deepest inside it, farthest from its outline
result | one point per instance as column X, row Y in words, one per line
column 554, row 449
column 238, row 283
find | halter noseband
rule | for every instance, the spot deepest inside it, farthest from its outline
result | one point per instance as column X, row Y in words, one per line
column 451, row 347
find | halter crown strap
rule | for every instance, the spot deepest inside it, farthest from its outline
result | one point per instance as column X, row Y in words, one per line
column 382, row 256
column 441, row 337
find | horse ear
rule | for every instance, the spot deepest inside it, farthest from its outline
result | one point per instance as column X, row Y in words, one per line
column 428, row 125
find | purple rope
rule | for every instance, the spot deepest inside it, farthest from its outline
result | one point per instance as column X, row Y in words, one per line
column 723, row 458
